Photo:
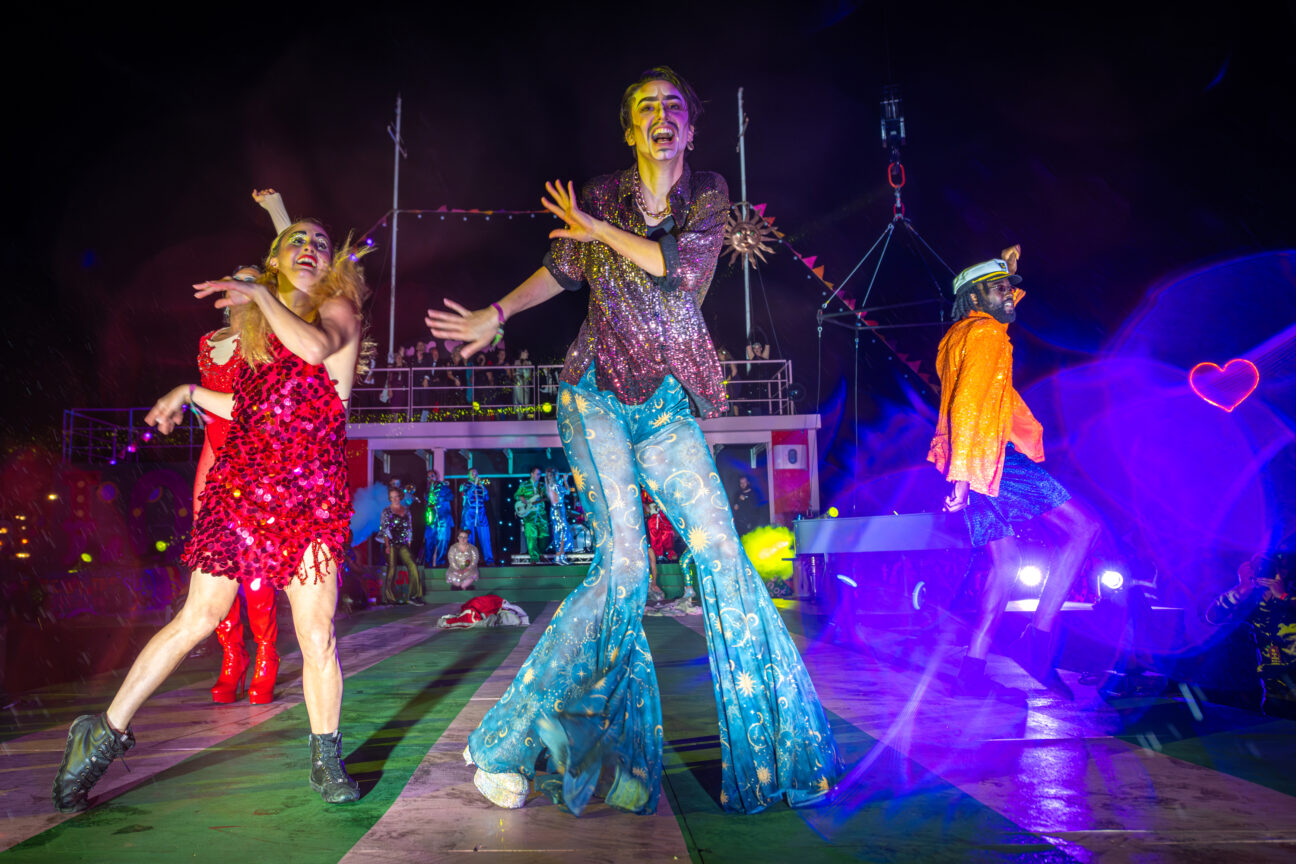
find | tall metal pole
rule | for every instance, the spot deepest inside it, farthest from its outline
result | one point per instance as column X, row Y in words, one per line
column 395, row 133
column 742, row 174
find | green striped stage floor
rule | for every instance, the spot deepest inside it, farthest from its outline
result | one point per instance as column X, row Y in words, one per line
column 931, row 778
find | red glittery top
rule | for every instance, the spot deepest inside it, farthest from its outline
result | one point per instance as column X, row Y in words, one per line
column 641, row 328
column 280, row 484
column 218, row 377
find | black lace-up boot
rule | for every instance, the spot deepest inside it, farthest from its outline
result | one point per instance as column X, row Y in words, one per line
column 329, row 776
column 92, row 745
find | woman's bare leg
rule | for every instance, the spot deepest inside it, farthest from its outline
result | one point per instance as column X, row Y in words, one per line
column 209, row 599
column 313, row 604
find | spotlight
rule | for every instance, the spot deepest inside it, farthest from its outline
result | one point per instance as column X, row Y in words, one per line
column 85, row 556
column 849, row 581
column 833, row 512
column 160, row 545
column 1112, row 579
column 53, row 496
column 1030, row 576
column 147, row 436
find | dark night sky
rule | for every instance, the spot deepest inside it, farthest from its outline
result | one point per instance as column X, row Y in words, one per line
column 1117, row 145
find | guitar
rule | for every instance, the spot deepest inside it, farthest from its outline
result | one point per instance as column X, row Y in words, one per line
column 524, row 507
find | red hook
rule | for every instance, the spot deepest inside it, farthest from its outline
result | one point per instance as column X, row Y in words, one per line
column 891, row 173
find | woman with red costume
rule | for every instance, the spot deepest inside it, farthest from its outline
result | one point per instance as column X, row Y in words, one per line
column 217, row 366
column 276, row 504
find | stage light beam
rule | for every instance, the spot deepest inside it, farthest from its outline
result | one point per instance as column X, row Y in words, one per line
column 1112, row 579
column 1030, row 576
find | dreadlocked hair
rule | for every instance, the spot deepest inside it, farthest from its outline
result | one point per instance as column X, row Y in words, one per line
column 963, row 303
column 345, row 279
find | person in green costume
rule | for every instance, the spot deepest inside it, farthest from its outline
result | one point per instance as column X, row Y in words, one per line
column 529, row 506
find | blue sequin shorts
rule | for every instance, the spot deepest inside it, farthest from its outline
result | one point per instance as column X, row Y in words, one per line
column 1025, row 491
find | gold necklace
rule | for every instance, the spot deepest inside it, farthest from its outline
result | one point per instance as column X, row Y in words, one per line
column 643, row 207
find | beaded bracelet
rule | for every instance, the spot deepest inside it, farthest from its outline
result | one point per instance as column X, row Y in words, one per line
column 499, row 334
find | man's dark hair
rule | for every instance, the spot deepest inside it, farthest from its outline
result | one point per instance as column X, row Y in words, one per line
column 669, row 75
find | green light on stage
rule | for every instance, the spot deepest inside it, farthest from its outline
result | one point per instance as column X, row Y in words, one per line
column 767, row 547
column 832, row 511
column 548, row 408
column 160, row 545
column 85, row 556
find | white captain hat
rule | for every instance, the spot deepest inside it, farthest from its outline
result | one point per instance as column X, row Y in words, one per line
column 986, row 271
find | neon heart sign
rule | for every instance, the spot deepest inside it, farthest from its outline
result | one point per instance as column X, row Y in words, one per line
column 1226, row 387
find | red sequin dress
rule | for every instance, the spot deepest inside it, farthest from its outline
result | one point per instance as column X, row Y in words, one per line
column 279, row 487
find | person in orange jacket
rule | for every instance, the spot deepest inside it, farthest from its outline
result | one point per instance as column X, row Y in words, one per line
column 989, row 446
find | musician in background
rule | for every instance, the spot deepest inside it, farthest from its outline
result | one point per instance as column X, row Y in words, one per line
column 473, row 518
column 528, row 506
column 555, row 489
column 440, row 521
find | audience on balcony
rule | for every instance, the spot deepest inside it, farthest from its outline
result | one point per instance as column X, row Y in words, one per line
column 440, row 377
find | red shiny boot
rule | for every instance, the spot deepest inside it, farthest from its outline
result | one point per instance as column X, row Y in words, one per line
column 233, row 674
column 265, row 632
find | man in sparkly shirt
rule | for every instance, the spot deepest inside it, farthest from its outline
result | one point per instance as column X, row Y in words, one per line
column 646, row 240
column 988, row 445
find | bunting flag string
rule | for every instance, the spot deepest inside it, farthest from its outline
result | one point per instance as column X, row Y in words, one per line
column 761, row 229
column 817, row 271
column 443, row 211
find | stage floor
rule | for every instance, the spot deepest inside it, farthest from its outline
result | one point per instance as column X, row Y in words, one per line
column 931, row 779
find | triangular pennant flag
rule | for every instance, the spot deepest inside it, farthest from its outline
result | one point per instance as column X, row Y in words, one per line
column 818, row 271
column 809, row 262
column 759, row 208
column 849, row 301
column 912, row 364
column 441, row 209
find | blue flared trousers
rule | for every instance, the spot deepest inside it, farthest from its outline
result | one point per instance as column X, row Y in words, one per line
column 588, row 693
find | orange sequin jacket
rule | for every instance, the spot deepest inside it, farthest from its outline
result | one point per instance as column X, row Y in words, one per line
column 980, row 411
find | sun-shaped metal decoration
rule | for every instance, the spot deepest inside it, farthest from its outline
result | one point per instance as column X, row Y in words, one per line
column 747, row 236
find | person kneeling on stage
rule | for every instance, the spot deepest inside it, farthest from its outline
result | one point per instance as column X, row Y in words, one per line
column 989, row 445
column 397, row 531
column 1265, row 599
column 461, row 564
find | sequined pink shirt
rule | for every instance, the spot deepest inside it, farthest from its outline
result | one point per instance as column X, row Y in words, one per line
column 641, row 328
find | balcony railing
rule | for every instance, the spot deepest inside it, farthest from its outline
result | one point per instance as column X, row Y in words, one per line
column 106, row 436
column 399, row 394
